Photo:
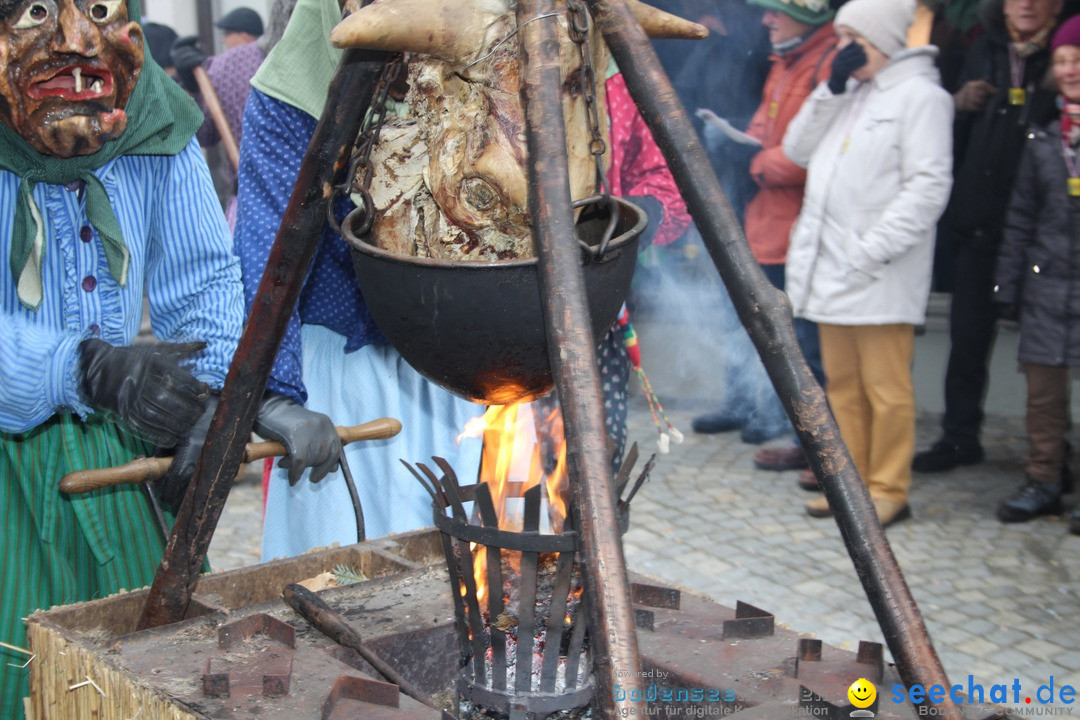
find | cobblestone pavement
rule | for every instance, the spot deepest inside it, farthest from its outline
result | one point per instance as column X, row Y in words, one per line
column 1001, row 601
column 237, row 541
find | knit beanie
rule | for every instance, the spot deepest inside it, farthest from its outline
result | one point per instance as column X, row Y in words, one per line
column 1067, row 34
column 883, row 22
column 808, row 12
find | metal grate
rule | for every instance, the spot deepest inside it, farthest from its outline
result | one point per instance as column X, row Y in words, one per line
column 524, row 649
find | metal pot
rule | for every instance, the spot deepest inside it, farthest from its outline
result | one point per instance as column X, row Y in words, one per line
column 477, row 328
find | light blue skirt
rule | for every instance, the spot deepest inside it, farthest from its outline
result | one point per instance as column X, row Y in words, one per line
column 352, row 389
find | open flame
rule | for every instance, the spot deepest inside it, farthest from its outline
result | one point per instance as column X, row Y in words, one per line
column 522, row 447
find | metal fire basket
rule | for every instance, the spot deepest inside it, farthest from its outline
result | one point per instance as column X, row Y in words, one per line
column 549, row 627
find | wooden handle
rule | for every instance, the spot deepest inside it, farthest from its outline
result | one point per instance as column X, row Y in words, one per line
column 217, row 114
column 147, row 469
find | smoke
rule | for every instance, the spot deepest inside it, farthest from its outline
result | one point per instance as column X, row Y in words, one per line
column 694, row 348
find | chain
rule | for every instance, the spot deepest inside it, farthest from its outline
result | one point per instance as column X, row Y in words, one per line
column 357, row 180
column 579, row 29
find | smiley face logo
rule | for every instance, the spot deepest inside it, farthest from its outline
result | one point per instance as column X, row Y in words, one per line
column 862, row 693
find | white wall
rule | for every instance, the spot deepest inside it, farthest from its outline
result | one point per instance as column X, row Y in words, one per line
column 180, row 14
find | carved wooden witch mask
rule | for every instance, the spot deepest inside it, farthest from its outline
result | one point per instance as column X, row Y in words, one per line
column 67, row 69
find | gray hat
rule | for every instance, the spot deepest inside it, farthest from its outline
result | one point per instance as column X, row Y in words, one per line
column 243, row 20
column 883, row 22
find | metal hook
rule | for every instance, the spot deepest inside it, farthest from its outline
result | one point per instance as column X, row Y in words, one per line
column 609, row 232
column 358, row 510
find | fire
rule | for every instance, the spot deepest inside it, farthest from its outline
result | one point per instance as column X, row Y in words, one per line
column 518, row 448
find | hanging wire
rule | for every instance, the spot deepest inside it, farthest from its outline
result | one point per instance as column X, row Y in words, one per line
column 511, row 34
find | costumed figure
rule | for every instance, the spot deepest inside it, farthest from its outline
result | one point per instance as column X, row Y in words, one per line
column 104, row 198
column 333, row 359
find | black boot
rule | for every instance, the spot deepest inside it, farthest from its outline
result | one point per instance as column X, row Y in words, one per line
column 1074, row 522
column 946, row 455
column 718, row 422
column 1031, row 501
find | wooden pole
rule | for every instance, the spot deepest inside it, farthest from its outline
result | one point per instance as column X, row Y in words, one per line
column 324, row 163
column 217, row 114
column 920, row 30
column 766, row 313
column 571, row 351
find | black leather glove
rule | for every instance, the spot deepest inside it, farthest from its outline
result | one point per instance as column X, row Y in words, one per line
column 847, row 61
column 310, row 437
column 146, row 386
column 172, row 488
column 186, row 56
column 1007, row 310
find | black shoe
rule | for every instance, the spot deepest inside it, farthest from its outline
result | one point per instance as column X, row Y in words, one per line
column 1031, row 501
column 946, row 455
column 756, row 434
column 1074, row 522
column 718, row 422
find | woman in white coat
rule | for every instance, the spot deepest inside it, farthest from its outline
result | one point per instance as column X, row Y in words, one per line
column 876, row 140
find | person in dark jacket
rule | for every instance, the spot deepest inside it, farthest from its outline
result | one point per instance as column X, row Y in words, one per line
column 1038, row 281
column 1002, row 93
column 725, row 73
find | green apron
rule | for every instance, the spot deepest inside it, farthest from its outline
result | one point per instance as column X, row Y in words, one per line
column 59, row 549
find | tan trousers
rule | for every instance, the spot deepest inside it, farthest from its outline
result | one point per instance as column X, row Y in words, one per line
column 1047, row 420
column 868, row 382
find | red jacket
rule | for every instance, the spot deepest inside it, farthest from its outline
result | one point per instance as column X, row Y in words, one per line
column 772, row 212
column 638, row 167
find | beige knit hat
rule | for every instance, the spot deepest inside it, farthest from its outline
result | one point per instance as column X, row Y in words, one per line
column 883, row 22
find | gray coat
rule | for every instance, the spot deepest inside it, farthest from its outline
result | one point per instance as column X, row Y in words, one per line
column 1038, row 267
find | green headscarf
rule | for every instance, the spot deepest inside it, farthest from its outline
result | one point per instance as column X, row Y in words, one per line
column 162, row 119
column 299, row 68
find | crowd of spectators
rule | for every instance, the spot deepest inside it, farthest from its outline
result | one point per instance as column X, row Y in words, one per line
column 867, row 249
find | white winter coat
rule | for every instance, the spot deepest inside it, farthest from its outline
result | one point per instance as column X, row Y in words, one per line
column 879, row 161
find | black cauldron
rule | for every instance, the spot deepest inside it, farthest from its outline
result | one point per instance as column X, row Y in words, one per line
column 477, row 328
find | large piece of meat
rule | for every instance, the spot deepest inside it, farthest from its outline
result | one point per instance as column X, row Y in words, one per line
column 449, row 176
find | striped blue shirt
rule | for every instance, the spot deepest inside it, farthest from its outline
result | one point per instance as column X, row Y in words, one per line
column 181, row 258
